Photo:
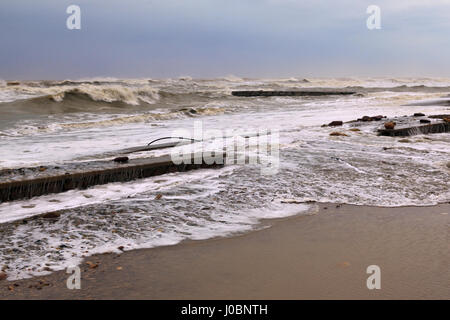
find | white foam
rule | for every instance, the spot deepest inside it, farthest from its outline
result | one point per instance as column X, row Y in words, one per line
column 20, row 209
column 42, row 240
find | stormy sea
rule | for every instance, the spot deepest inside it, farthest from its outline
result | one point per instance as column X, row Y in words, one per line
column 53, row 124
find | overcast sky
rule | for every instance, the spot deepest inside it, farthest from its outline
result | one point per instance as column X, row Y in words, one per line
column 209, row 38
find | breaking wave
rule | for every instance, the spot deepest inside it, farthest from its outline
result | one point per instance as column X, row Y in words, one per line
column 131, row 96
column 112, row 120
column 83, row 98
column 147, row 117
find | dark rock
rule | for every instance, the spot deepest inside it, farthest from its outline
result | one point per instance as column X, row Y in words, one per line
column 335, row 123
column 389, row 125
column 368, row 119
column 419, row 114
column 193, row 111
column 51, row 215
column 3, row 276
column 121, row 159
column 425, row 121
column 378, row 118
column 336, row 134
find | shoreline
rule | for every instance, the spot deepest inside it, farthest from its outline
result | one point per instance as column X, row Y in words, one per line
column 318, row 256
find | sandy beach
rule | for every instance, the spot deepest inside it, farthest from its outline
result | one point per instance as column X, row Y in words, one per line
column 319, row 256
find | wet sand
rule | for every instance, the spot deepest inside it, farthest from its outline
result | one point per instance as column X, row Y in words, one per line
column 319, row 256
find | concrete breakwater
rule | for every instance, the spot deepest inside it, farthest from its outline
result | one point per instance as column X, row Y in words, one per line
column 404, row 126
column 419, row 123
column 440, row 127
column 15, row 187
column 272, row 93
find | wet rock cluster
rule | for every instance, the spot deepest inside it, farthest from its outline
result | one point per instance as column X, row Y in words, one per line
column 418, row 123
column 338, row 123
column 374, row 118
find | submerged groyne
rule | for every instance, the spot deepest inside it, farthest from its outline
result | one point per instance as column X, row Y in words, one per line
column 15, row 187
column 439, row 127
column 272, row 93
